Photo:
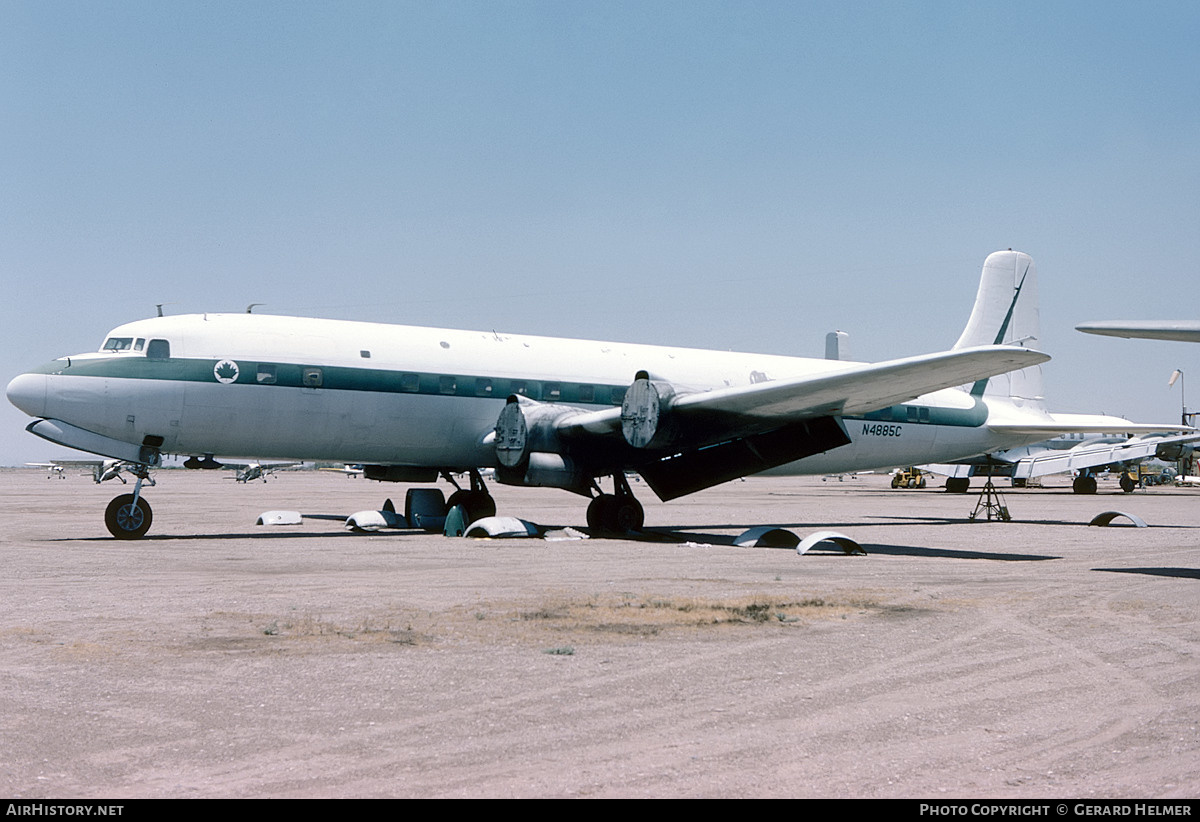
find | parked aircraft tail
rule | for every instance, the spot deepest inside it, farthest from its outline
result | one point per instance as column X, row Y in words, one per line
column 1006, row 313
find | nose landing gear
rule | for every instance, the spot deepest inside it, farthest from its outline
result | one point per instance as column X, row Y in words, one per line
column 129, row 515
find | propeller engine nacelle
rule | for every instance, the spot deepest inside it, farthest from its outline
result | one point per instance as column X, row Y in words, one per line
column 1174, row 452
column 646, row 421
column 529, row 450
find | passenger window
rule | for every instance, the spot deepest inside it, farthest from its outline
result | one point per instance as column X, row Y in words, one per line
column 266, row 373
column 410, row 383
column 587, row 393
column 447, row 384
column 552, row 391
column 618, row 396
column 158, row 350
column 312, row 378
column 483, row 387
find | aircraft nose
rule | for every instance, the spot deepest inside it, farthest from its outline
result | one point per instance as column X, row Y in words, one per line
column 28, row 392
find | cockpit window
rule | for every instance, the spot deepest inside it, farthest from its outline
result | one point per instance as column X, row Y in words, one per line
column 118, row 344
column 158, row 350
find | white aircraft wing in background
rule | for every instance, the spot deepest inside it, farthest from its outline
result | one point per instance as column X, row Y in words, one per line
column 1178, row 330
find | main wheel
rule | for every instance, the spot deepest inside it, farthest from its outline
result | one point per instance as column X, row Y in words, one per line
column 1084, row 485
column 615, row 515
column 1127, row 483
column 126, row 520
column 957, row 485
column 598, row 516
column 628, row 515
column 476, row 504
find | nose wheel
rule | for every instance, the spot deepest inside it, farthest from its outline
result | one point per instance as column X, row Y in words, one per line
column 128, row 517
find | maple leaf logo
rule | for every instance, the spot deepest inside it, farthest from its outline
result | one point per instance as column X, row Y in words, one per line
column 226, row 371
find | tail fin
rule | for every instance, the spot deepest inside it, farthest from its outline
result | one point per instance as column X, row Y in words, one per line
column 1006, row 313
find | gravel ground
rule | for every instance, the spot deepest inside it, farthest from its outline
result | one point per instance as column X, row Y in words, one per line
column 216, row 658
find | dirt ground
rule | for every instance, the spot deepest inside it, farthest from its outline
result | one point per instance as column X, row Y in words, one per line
column 217, row 658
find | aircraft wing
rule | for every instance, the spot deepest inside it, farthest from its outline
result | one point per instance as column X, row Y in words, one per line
column 67, row 464
column 1179, row 330
column 1091, row 456
column 1056, row 424
column 857, row 389
column 682, row 443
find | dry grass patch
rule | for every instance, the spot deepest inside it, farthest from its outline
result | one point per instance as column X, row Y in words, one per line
column 648, row 615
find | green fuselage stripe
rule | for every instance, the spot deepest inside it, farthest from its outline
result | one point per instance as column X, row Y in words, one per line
column 343, row 378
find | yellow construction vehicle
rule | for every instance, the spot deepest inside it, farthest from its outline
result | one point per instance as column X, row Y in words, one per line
column 910, row 477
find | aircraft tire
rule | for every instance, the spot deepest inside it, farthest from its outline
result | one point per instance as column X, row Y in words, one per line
column 598, row 516
column 615, row 515
column 957, row 485
column 476, row 504
column 628, row 515
column 124, row 521
column 1127, row 484
column 1084, row 485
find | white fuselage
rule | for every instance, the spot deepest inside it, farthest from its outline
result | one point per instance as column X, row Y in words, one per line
column 352, row 392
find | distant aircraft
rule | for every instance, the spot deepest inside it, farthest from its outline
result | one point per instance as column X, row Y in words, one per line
column 101, row 470
column 411, row 403
column 1086, row 455
column 349, row 470
column 248, row 472
column 53, row 469
column 1178, row 330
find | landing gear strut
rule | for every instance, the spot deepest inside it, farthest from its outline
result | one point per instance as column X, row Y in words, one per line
column 616, row 513
column 476, row 502
column 129, row 516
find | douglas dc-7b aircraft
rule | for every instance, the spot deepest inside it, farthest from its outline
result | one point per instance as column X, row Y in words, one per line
column 412, row 403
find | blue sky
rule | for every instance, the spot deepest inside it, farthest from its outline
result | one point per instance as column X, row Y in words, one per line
column 741, row 175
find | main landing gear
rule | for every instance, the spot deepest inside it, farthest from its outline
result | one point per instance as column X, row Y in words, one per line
column 1085, row 483
column 616, row 513
column 475, row 501
column 129, row 515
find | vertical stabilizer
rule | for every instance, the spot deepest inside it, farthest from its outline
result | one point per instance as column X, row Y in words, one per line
column 837, row 346
column 1006, row 313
